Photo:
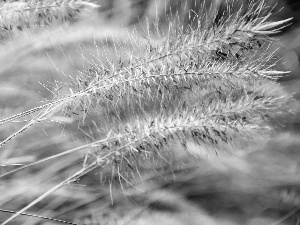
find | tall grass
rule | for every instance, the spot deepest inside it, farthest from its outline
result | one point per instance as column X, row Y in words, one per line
column 132, row 103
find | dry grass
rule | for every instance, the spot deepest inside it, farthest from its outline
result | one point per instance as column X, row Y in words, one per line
column 143, row 123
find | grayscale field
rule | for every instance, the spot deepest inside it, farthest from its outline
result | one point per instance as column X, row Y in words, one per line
column 149, row 112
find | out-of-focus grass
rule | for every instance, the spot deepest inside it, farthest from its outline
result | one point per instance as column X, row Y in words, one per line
column 218, row 192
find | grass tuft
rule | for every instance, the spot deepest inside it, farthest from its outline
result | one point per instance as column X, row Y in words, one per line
column 145, row 101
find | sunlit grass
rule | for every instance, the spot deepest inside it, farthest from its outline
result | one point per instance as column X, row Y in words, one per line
column 92, row 111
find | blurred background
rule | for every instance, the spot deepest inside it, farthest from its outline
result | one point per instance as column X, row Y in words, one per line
column 33, row 68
